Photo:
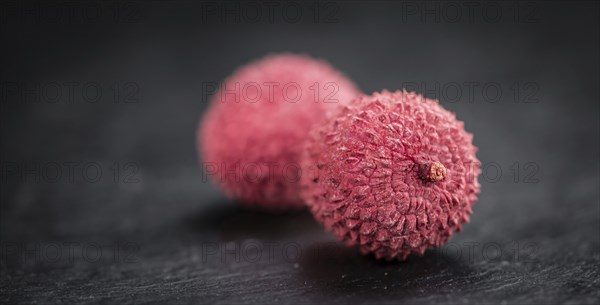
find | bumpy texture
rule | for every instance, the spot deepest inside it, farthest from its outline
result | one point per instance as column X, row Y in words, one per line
column 251, row 137
column 393, row 173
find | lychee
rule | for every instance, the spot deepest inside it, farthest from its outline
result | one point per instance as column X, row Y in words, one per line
column 252, row 134
column 393, row 173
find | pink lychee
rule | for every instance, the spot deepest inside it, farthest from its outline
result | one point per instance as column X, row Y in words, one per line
column 393, row 173
column 252, row 134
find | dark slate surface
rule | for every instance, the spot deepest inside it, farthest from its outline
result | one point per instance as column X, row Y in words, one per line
column 150, row 230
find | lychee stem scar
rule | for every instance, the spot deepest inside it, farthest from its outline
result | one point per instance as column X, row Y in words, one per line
column 435, row 171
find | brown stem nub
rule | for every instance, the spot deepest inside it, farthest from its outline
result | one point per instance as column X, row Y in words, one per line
column 434, row 171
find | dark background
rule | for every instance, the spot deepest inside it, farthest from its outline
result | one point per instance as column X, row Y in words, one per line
column 150, row 229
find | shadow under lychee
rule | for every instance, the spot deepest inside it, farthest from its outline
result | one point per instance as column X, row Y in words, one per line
column 335, row 270
column 232, row 221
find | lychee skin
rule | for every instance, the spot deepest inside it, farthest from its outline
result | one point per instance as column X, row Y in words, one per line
column 251, row 137
column 393, row 173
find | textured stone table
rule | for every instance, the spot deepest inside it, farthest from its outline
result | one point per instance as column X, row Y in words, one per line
column 150, row 230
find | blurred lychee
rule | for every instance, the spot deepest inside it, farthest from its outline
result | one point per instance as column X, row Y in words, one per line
column 252, row 135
